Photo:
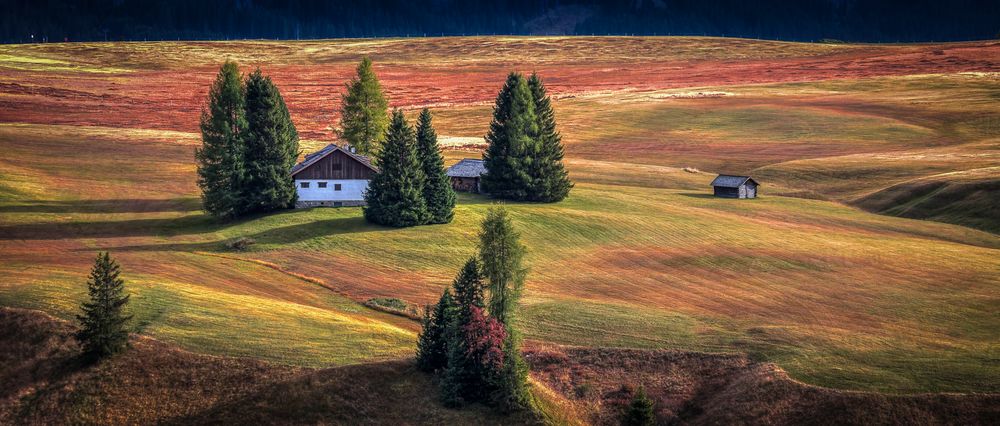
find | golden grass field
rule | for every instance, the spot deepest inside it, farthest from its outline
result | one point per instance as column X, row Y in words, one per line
column 97, row 148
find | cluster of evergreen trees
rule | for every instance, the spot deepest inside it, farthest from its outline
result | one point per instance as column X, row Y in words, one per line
column 249, row 144
column 411, row 187
column 524, row 156
column 469, row 338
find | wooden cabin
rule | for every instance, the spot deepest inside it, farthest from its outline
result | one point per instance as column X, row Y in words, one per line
column 728, row 186
column 465, row 175
column 332, row 177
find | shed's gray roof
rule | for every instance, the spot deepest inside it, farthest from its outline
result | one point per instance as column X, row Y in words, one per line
column 467, row 168
column 730, row 181
column 327, row 150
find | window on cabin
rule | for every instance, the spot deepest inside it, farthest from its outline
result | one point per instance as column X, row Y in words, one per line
column 303, row 184
column 336, row 187
column 321, row 184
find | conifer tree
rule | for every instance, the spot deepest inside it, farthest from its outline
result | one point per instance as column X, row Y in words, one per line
column 395, row 194
column 640, row 411
column 513, row 142
column 220, row 158
column 463, row 379
column 432, row 344
column 364, row 114
column 549, row 177
column 102, row 325
column 438, row 194
column 271, row 148
column 501, row 255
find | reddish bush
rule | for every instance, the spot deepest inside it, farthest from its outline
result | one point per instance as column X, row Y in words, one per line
column 485, row 336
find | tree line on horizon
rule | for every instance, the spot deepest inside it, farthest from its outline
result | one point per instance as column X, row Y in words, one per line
column 806, row 20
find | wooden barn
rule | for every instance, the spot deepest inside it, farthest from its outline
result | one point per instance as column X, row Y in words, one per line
column 465, row 175
column 729, row 186
column 332, row 177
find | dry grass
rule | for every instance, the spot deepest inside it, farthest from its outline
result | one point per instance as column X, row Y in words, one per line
column 639, row 256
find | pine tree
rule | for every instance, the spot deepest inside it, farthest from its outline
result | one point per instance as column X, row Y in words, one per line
column 640, row 411
column 364, row 114
column 395, row 194
column 220, row 159
column 271, row 148
column 463, row 379
column 438, row 194
column 513, row 142
column 102, row 325
column 550, row 180
column 501, row 255
column 432, row 344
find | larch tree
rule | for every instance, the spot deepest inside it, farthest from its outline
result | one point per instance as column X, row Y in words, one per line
column 395, row 194
column 512, row 142
column 501, row 255
column 364, row 111
column 103, row 330
column 438, row 194
column 220, row 158
column 550, row 181
column 271, row 148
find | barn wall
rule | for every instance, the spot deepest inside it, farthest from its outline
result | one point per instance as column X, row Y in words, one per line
column 726, row 192
column 337, row 165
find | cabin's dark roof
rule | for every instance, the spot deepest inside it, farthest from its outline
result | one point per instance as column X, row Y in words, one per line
column 730, row 181
column 327, row 150
column 467, row 168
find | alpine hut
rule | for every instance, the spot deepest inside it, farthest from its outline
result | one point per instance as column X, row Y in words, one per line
column 728, row 186
column 465, row 175
column 332, row 177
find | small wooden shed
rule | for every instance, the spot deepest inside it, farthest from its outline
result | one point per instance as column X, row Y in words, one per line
column 465, row 174
column 729, row 186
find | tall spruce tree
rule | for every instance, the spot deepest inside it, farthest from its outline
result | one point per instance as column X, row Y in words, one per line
column 463, row 380
column 364, row 111
column 501, row 255
column 271, row 148
column 438, row 194
column 220, row 158
column 513, row 142
column 432, row 343
column 395, row 194
column 103, row 329
column 550, row 181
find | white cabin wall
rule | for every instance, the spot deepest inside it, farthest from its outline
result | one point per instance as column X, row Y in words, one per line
column 351, row 190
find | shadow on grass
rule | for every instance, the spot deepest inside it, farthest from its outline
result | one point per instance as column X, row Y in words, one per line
column 109, row 229
column 699, row 195
column 106, row 206
column 284, row 235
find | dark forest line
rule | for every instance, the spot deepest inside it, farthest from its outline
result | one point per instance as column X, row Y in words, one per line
column 25, row 21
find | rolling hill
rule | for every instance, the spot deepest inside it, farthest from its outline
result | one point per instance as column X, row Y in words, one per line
column 98, row 139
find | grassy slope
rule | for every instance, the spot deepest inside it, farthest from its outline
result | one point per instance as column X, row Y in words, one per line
column 43, row 383
column 637, row 257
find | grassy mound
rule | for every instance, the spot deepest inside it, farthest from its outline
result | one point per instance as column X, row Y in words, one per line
column 42, row 382
column 699, row 388
column 974, row 204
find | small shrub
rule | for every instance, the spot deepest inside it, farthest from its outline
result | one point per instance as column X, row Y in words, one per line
column 584, row 390
column 640, row 411
column 241, row 243
column 389, row 302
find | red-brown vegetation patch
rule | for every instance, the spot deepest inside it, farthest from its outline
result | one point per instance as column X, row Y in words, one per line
column 697, row 388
